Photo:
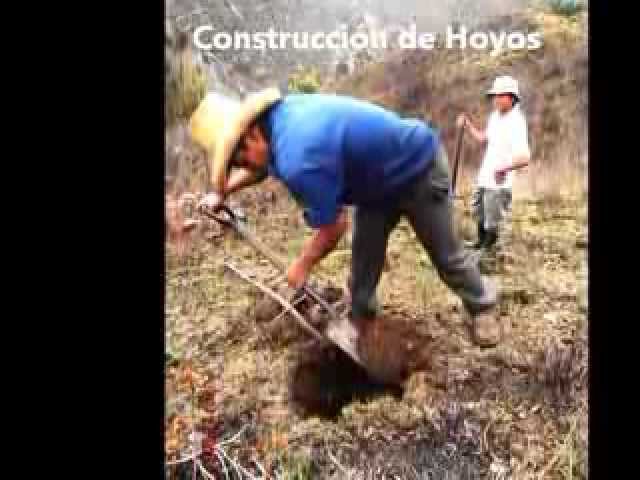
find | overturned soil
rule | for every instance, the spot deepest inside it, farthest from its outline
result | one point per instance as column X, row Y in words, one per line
column 390, row 346
column 326, row 379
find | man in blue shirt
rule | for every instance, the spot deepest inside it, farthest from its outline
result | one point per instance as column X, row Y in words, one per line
column 332, row 151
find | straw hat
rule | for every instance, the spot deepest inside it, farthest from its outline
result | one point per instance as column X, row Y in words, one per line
column 219, row 122
column 504, row 84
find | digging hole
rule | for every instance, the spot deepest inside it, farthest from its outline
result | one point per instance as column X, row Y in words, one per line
column 326, row 379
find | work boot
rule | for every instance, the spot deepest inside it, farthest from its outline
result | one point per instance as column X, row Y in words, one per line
column 487, row 331
column 481, row 237
column 490, row 239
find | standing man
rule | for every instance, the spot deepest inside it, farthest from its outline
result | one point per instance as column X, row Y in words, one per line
column 507, row 150
column 331, row 151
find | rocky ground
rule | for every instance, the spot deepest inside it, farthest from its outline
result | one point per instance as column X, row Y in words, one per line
column 235, row 364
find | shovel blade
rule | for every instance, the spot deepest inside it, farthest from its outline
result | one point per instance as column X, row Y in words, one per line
column 345, row 336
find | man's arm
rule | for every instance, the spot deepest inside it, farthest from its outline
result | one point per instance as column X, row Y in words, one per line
column 477, row 134
column 323, row 241
column 241, row 178
column 521, row 151
column 520, row 161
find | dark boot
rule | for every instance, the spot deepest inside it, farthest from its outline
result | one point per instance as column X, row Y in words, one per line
column 490, row 239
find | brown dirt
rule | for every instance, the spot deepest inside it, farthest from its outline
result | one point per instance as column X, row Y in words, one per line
column 390, row 345
column 392, row 349
column 326, row 379
column 270, row 374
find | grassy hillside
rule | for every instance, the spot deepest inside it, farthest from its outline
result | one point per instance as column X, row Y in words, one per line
column 438, row 84
column 250, row 390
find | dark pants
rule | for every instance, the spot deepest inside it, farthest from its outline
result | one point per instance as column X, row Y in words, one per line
column 428, row 207
column 490, row 206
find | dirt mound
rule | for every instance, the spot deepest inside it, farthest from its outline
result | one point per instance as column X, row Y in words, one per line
column 389, row 345
column 325, row 379
column 392, row 349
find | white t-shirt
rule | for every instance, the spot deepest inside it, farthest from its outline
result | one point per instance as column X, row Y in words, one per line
column 506, row 139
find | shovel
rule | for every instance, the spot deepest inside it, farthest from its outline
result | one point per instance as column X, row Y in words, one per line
column 339, row 332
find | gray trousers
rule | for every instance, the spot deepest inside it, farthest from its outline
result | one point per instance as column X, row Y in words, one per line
column 489, row 206
column 428, row 207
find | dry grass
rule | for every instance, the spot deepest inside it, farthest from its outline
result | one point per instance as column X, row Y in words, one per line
column 564, row 179
column 210, row 325
column 540, row 181
column 185, row 79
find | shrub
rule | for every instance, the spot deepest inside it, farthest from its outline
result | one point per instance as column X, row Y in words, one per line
column 305, row 81
column 185, row 79
column 566, row 7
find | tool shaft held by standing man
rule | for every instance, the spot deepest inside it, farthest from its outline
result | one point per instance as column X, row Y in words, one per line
column 456, row 162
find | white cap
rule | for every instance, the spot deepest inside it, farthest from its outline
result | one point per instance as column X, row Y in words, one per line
column 504, row 84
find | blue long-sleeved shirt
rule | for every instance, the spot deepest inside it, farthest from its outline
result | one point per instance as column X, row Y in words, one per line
column 332, row 150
